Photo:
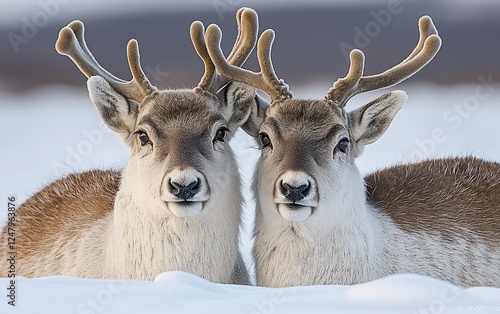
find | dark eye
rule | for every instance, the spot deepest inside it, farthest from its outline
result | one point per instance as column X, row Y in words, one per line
column 264, row 140
column 221, row 134
column 343, row 145
column 144, row 138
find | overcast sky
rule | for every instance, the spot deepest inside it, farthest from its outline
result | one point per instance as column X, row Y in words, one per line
column 12, row 12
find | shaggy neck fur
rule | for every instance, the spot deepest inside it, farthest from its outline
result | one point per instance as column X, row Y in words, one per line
column 142, row 245
column 352, row 241
column 337, row 244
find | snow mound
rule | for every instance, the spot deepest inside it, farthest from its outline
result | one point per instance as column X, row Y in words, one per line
column 179, row 292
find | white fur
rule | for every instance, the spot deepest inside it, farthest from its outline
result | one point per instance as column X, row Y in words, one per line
column 333, row 246
column 143, row 246
column 131, row 243
column 146, row 238
column 342, row 239
column 347, row 241
column 149, row 230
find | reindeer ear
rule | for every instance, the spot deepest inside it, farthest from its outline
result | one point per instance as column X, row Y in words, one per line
column 369, row 122
column 242, row 107
column 116, row 111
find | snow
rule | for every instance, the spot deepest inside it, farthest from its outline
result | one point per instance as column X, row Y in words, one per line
column 178, row 292
column 49, row 132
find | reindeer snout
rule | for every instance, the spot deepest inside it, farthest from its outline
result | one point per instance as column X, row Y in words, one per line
column 295, row 193
column 184, row 185
column 295, row 187
column 184, row 191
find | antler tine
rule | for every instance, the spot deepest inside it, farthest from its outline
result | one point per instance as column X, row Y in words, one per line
column 426, row 29
column 248, row 26
column 354, row 83
column 71, row 42
column 344, row 88
column 197, row 37
column 139, row 78
column 266, row 80
column 278, row 86
column 238, row 42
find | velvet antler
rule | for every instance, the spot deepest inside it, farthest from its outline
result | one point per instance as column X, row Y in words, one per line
column 266, row 80
column 354, row 82
column 71, row 42
column 248, row 27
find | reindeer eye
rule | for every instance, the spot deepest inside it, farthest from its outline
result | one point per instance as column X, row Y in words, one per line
column 264, row 140
column 343, row 145
column 221, row 134
column 144, row 138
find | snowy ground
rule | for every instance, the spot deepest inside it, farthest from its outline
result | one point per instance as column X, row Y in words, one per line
column 49, row 132
column 177, row 292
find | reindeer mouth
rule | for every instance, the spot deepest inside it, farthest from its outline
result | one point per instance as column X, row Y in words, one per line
column 295, row 211
column 185, row 208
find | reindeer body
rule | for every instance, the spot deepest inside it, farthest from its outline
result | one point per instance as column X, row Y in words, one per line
column 435, row 218
column 70, row 228
column 60, row 220
column 177, row 203
column 317, row 223
column 102, row 224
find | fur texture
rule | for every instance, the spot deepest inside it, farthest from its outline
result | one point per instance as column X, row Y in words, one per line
column 131, row 225
column 314, row 224
column 177, row 203
column 438, row 218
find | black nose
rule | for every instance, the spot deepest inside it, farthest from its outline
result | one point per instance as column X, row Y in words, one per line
column 294, row 193
column 184, row 192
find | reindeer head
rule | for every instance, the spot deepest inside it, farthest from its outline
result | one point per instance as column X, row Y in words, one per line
column 178, row 138
column 308, row 147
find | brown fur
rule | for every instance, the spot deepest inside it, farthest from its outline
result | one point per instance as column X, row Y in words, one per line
column 304, row 130
column 442, row 189
column 64, row 208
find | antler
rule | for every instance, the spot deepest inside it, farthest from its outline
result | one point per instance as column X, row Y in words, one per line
column 248, row 26
column 354, row 82
column 266, row 80
column 71, row 42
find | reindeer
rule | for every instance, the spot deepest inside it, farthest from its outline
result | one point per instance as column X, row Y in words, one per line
column 177, row 203
column 318, row 222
